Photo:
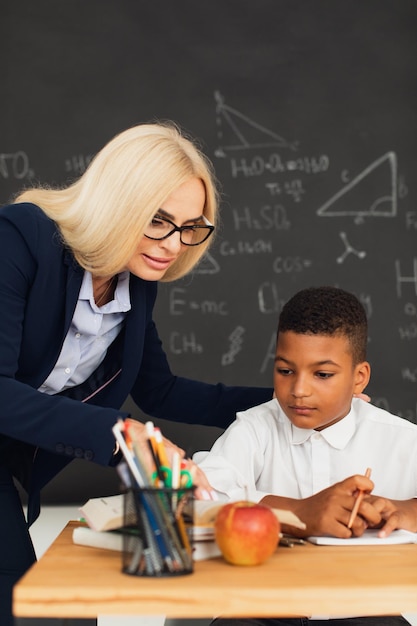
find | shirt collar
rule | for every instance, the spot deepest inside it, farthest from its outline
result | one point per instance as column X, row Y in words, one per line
column 121, row 302
column 338, row 435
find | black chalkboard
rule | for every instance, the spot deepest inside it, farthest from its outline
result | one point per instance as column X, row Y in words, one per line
column 308, row 111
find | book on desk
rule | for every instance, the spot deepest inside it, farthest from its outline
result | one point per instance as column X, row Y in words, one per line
column 105, row 520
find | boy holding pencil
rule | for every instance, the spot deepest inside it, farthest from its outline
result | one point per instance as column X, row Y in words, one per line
column 307, row 449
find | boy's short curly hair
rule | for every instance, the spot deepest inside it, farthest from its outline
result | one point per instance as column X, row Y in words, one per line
column 327, row 311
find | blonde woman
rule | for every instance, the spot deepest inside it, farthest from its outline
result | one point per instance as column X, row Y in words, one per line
column 78, row 282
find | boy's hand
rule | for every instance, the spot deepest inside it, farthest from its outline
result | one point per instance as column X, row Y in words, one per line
column 392, row 514
column 328, row 512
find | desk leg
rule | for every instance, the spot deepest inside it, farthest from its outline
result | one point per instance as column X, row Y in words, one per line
column 131, row 620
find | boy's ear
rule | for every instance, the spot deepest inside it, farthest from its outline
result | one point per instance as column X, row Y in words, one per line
column 362, row 375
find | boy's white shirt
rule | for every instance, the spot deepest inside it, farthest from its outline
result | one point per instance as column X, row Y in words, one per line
column 262, row 453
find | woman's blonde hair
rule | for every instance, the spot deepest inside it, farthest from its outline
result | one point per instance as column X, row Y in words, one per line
column 102, row 216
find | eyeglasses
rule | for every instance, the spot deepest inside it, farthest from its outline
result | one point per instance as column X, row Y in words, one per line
column 192, row 235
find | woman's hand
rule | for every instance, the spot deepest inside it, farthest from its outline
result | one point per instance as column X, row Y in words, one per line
column 362, row 396
column 138, row 433
column 204, row 491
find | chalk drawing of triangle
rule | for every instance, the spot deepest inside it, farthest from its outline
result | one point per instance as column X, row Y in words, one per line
column 207, row 265
column 373, row 193
column 237, row 131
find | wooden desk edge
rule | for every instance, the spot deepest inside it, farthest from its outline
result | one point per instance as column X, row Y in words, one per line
column 113, row 593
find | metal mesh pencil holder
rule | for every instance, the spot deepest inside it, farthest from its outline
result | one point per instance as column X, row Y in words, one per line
column 156, row 533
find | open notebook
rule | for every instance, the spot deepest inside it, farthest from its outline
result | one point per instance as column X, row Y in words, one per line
column 205, row 512
column 369, row 538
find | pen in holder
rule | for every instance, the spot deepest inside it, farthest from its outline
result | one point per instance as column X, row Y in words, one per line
column 156, row 539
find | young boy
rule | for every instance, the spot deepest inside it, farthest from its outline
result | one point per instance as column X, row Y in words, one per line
column 307, row 450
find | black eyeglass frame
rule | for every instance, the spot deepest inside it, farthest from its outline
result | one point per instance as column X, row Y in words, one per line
column 209, row 227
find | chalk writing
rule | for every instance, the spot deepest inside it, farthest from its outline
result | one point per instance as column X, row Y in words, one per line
column 290, row 264
column 15, row 165
column 381, row 403
column 269, row 217
column 207, row 265
column 269, row 358
column 268, row 298
column 402, row 188
column 78, row 163
column 349, row 250
column 349, row 200
column 410, row 309
column 408, row 414
column 408, row 332
column 236, row 344
column 409, row 374
column 234, row 126
column 366, row 302
column 401, row 279
column 245, row 247
column 309, row 164
column 258, row 165
column 178, row 304
column 184, row 344
column 293, row 188
column 411, row 220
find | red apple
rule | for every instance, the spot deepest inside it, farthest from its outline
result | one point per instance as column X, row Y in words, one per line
column 246, row 533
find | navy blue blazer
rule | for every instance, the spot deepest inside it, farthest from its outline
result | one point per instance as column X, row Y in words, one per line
column 39, row 434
